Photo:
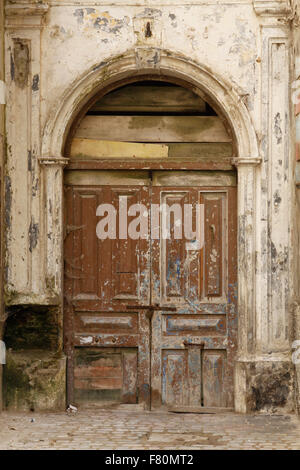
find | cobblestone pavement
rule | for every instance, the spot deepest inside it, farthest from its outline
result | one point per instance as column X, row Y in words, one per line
column 126, row 429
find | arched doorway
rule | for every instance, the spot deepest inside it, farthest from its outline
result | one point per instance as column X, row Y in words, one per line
column 148, row 320
column 227, row 100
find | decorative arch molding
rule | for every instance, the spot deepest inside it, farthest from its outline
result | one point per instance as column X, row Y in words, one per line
column 227, row 98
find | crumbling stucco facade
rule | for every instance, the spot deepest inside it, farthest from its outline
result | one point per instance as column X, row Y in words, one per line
column 58, row 54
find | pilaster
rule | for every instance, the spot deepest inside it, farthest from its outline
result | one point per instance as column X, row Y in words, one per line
column 25, row 282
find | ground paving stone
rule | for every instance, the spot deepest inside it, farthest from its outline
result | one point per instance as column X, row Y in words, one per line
column 125, row 429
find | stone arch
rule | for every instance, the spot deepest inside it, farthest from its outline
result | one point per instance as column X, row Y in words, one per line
column 227, row 100
column 226, row 97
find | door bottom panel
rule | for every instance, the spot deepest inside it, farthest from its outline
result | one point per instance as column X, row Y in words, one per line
column 105, row 375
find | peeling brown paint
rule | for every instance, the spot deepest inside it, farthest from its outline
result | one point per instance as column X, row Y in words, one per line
column 21, row 63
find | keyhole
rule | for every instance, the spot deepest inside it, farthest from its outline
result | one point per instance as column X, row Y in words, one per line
column 148, row 32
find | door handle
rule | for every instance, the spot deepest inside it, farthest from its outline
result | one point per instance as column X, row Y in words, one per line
column 151, row 309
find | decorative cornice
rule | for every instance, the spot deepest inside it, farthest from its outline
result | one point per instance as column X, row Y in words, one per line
column 276, row 8
column 25, row 14
column 246, row 161
column 28, row 8
column 60, row 161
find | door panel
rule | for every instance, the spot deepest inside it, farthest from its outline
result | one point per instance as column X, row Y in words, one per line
column 175, row 375
column 102, row 277
column 193, row 349
column 185, row 358
column 106, row 374
column 214, row 370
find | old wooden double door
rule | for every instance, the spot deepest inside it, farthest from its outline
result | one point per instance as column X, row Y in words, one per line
column 118, row 354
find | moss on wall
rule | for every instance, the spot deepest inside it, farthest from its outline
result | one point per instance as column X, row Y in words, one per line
column 35, row 370
column 34, row 380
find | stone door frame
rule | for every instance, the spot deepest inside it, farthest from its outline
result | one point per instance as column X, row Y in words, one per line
column 225, row 99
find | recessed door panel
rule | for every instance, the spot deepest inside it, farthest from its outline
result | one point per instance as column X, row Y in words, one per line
column 103, row 275
column 193, row 348
column 174, row 358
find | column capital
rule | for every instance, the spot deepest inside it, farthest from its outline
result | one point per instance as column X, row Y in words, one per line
column 25, row 14
column 273, row 8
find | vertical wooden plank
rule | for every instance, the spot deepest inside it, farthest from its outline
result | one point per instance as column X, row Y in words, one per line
column 174, row 380
column 213, row 378
column 104, row 254
column 194, row 264
column 129, row 365
column 89, row 265
column 174, row 282
column 194, row 375
column 69, row 290
column 125, row 251
column 144, row 360
column 173, row 252
column 214, row 238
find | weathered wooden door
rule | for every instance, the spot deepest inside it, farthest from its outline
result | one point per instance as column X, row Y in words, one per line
column 107, row 346
column 177, row 359
column 193, row 348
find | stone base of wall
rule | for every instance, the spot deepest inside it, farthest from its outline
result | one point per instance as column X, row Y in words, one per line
column 265, row 386
column 34, row 380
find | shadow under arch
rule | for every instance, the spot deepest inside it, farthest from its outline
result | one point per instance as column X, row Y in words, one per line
column 120, row 70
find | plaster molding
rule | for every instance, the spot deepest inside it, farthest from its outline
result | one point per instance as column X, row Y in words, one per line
column 147, row 57
column 246, row 161
column 26, row 9
column 273, row 8
column 25, row 15
column 50, row 161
